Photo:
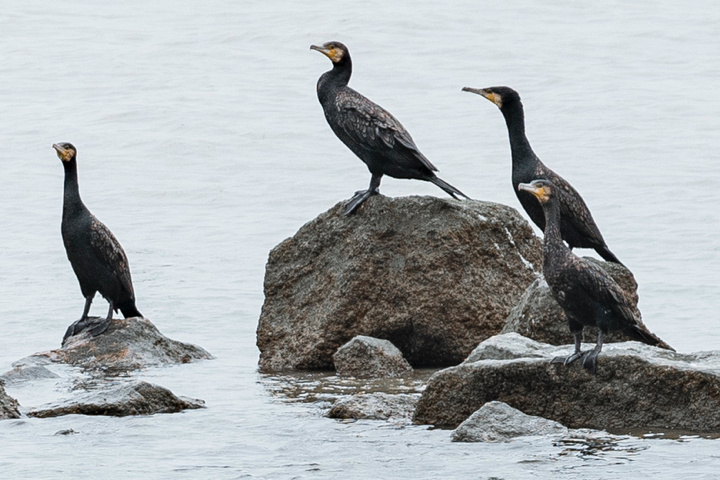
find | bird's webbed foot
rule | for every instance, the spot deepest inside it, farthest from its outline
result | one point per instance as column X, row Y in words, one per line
column 577, row 336
column 94, row 325
column 588, row 357
column 363, row 192
column 99, row 327
column 589, row 360
column 359, row 198
column 79, row 326
column 569, row 359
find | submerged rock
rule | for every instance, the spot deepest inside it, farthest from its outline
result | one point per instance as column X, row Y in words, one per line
column 538, row 316
column 636, row 387
column 28, row 369
column 433, row 276
column 371, row 358
column 136, row 398
column 127, row 344
column 499, row 422
column 8, row 405
column 375, row 406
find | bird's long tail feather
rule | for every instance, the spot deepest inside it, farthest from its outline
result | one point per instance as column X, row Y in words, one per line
column 130, row 310
column 606, row 254
column 449, row 189
column 642, row 334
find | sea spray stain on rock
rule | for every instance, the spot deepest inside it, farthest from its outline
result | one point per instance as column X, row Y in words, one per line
column 433, row 276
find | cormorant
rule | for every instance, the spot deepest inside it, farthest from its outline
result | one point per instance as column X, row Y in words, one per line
column 587, row 294
column 577, row 225
column 370, row 131
column 96, row 256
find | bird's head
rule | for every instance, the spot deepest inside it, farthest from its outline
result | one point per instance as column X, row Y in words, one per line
column 65, row 151
column 335, row 51
column 503, row 97
column 542, row 189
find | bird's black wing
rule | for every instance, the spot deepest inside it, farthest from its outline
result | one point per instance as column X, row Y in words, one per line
column 599, row 286
column 573, row 208
column 106, row 248
column 367, row 123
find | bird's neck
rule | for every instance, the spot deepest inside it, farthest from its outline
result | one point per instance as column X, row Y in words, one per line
column 553, row 241
column 336, row 78
column 522, row 153
column 72, row 202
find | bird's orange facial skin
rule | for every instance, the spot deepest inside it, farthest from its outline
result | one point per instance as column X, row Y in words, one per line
column 63, row 154
column 494, row 97
column 334, row 54
column 542, row 193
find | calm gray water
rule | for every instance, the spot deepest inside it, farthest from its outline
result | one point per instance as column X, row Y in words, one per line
column 202, row 145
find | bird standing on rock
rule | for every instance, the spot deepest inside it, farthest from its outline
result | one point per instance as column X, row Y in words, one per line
column 96, row 256
column 370, row 131
column 586, row 293
column 577, row 226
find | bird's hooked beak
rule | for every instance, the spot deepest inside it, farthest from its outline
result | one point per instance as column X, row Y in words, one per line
column 63, row 153
column 333, row 54
column 493, row 97
column 539, row 192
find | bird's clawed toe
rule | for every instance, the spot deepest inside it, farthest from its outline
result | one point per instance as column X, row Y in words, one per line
column 94, row 325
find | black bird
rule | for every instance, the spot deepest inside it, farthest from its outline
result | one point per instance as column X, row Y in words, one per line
column 370, row 131
column 96, row 256
column 577, row 225
column 587, row 294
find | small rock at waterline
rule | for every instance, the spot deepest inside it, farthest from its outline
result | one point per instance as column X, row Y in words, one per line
column 499, row 422
column 368, row 357
column 8, row 405
column 375, row 406
column 137, row 398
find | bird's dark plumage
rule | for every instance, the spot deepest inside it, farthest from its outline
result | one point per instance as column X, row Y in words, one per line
column 96, row 256
column 577, row 225
column 370, row 131
column 586, row 293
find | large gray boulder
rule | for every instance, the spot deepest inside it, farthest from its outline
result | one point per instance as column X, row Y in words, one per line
column 538, row 316
column 8, row 405
column 499, row 422
column 434, row 276
column 636, row 386
column 370, row 357
column 136, row 398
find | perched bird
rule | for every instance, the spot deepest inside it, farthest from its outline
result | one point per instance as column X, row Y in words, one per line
column 96, row 256
column 369, row 130
column 587, row 294
column 577, row 225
